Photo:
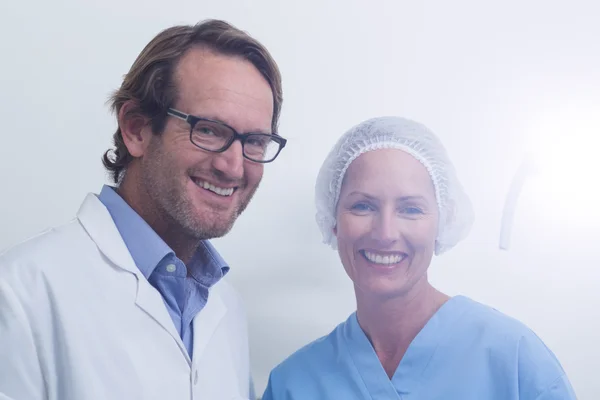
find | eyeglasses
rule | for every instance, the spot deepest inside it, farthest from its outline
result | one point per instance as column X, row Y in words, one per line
column 217, row 137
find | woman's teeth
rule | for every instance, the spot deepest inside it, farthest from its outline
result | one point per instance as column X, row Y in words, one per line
column 384, row 260
column 220, row 191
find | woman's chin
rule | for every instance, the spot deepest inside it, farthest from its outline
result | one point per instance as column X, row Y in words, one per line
column 384, row 287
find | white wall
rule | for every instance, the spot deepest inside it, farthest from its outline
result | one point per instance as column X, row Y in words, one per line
column 481, row 75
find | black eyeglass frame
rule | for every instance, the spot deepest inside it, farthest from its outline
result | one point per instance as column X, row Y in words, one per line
column 192, row 120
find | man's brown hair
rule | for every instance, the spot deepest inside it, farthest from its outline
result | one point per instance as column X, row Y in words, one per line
column 150, row 81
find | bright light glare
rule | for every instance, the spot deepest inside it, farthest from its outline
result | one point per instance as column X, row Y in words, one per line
column 566, row 156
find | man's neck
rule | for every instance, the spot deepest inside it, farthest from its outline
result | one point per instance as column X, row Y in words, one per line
column 182, row 245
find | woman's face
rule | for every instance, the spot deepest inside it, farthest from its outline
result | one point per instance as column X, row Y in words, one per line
column 387, row 220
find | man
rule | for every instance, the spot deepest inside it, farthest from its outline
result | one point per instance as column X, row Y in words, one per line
column 126, row 301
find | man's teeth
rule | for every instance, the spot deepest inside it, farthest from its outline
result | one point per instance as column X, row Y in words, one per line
column 215, row 189
column 386, row 260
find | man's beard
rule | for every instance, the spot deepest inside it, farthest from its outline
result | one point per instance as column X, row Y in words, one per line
column 175, row 209
column 208, row 224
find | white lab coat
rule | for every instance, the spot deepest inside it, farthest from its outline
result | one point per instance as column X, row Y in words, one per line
column 79, row 321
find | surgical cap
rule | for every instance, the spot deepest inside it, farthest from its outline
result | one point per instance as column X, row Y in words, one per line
column 455, row 210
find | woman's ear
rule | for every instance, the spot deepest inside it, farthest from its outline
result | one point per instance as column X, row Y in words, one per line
column 134, row 129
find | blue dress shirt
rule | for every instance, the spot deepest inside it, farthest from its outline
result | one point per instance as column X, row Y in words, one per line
column 185, row 295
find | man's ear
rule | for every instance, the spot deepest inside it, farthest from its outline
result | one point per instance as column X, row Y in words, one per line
column 335, row 230
column 135, row 129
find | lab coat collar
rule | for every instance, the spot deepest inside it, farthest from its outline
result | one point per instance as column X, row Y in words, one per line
column 98, row 223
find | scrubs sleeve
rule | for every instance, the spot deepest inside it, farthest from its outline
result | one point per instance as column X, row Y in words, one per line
column 541, row 376
column 269, row 393
column 560, row 389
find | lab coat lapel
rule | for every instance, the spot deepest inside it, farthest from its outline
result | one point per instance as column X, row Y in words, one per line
column 99, row 225
column 366, row 362
column 207, row 321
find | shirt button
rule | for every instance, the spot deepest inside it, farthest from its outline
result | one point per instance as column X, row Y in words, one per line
column 171, row 268
column 196, row 377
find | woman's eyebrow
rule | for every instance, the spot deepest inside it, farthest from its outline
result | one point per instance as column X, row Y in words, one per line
column 359, row 193
column 407, row 198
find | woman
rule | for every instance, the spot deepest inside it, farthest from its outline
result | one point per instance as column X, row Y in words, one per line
column 388, row 199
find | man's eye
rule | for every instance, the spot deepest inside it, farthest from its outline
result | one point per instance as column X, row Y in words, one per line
column 205, row 131
column 257, row 142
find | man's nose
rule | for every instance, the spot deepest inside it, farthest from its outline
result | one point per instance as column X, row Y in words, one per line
column 231, row 161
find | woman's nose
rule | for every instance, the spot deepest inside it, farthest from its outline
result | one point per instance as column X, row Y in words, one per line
column 385, row 228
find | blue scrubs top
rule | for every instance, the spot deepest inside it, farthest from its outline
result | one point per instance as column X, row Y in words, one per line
column 466, row 351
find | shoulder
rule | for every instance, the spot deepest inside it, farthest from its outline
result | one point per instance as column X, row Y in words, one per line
column 495, row 325
column 499, row 330
column 511, row 343
column 43, row 252
column 490, row 321
column 28, row 270
column 308, row 360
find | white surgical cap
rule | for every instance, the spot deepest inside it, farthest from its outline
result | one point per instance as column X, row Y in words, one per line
column 455, row 210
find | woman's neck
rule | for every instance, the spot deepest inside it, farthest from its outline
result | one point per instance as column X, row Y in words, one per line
column 391, row 323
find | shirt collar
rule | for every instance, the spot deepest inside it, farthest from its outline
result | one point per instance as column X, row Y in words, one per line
column 148, row 249
column 214, row 267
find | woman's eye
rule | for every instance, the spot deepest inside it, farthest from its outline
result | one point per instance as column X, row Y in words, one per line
column 412, row 210
column 362, row 207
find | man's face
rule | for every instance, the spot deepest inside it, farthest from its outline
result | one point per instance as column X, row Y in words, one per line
column 193, row 191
